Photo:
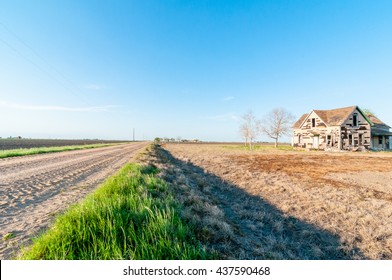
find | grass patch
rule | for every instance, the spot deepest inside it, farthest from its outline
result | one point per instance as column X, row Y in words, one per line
column 8, row 236
column 133, row 215
column 44, row 150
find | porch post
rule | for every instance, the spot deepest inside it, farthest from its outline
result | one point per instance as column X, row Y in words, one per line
column 352, row 138
column 340, row 138
column 390, row 142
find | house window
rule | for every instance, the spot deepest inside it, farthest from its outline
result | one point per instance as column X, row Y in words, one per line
column 329, row 138
column 360, row 139
column 350, row 139
column 313, row 122
column 299, row 139
column 355, row 120
column 380, row 140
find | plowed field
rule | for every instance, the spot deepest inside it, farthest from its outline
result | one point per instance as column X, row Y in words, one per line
column 10, row 144
column 286, row 204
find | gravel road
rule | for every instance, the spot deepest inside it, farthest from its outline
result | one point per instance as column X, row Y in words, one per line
column 33, row 189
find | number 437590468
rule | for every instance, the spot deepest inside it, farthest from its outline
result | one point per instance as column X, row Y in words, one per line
column 236, row 270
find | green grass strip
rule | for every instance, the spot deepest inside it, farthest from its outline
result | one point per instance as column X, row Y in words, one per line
column 132, row 215
column 44, row 150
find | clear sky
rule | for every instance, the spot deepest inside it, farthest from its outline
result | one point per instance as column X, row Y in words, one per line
column 98, row 69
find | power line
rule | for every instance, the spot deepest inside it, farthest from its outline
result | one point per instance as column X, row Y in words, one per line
column 66, row 87
column 32, row 62
column 36, row 53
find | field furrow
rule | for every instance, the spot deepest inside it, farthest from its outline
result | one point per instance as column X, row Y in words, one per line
column 285, row 205
column 34, row 189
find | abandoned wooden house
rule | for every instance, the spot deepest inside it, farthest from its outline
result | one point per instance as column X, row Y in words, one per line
column 341, row 129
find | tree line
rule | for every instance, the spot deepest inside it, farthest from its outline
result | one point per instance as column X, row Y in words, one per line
column 274, row 125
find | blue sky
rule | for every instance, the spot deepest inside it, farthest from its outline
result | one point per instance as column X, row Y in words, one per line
column 98, row 69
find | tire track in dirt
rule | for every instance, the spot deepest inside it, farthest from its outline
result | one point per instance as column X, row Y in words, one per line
column 33, row 189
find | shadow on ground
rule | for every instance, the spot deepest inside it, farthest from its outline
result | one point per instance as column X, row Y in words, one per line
column 238, row 225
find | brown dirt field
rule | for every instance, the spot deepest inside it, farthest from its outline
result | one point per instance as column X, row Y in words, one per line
column 284, row 205
column 34, row 189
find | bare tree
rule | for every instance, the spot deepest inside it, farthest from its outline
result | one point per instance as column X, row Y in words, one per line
column 244, row 133
column 277, row 123
column 250, row 128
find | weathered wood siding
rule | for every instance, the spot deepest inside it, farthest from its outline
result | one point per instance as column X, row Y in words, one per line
column 303, row 137
column 327, row 137
column 356, row 136
column 385, row 142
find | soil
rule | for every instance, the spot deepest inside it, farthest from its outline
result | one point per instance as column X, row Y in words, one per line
column 289, row 205
column 34, row 189
column 10, row 144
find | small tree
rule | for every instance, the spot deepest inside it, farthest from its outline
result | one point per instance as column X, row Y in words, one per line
column 277, row 123
column 368, row 112
column 250, row 128
column 244, row 131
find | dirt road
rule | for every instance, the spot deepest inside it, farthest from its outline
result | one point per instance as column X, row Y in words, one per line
column 33, row 189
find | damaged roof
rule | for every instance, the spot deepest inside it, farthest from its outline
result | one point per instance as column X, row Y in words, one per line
column 300, row 120
column 377, row 122
column 335, row 116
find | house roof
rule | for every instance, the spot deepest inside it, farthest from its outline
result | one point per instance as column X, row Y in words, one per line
column 377, row 122
column 335, row 116
column 338, row 116
column 376, row 131
column 300, row 120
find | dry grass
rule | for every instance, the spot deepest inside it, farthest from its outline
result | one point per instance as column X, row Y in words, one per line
column 282, row 204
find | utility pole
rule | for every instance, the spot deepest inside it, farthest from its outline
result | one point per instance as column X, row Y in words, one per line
column 134, row 135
